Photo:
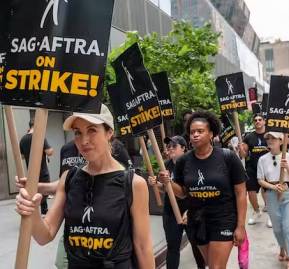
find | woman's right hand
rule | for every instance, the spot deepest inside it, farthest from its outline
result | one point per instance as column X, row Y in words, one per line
column 25, row 205
column 152, row 180
column 164, row 177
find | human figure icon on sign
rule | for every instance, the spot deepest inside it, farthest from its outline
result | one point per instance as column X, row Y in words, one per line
column 54, row 5
column 129, row 78
column 230, row 87
column 287, row 100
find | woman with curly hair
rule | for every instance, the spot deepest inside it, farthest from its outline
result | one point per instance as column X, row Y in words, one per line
column 214, row 181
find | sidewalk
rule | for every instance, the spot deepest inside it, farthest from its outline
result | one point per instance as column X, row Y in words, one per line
column 263, row 253
column 45, row 255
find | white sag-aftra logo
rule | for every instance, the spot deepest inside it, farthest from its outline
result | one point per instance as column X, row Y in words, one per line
column 54, row 5
column 87, row 213
column 129, row 78
column 230, row 87
column 201, row 178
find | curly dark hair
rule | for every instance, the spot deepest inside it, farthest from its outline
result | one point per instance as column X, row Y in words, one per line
column 208, row 117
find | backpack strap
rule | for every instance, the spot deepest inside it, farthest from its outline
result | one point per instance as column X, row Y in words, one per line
column 113, row 252
column 69, row 176
column 227, row 153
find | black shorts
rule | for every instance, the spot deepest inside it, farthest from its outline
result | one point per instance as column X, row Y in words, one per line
column 215, row 226
column 252, row 184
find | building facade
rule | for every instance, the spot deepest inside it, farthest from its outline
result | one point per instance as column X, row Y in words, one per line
column 145, row 16
column 275, row 58
column 238, row 42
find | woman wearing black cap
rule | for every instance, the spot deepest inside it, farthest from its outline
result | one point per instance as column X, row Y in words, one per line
column 105, row 208
column 214, row 182
column 176, row 147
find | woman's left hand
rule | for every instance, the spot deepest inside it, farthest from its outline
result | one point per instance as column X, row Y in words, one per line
column 239, row 236
column 284, row 164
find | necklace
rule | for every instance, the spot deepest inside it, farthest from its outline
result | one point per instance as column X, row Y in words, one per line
column 204, row 155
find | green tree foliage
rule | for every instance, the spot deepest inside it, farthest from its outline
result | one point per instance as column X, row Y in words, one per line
column 186, row 54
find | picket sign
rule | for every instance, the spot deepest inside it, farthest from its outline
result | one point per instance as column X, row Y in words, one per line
column 37, row 143
column 168, row 186
column 24, row 237
column 237, row 126
column 284, row 151
column 149, row 167
column 163, row 135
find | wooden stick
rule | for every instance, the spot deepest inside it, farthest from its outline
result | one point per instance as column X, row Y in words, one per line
column 163, row 135
column 237, row 126
column 284, row 150
column 169, row 188
column 149, row 167
column 14, row 141
column 35, row 158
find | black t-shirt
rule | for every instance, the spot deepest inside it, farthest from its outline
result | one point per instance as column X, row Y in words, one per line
column 25, row 145
column 69, row 157
column 120, row 153
column 182, row 203
column 257, row 147
column 97, row 219
column 209, row 182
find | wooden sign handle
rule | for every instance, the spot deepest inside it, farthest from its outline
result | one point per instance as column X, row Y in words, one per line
column 237, row 126
column 284, row 150
column 163, row 135
column 35, row 158
column 169, row 188
column 149, row 167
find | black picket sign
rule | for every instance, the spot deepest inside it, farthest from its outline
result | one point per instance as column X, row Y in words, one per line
column 278, row 105
column 257, row 107
column 118, row 105
column 141, row 102
column 228, row 132
column 164, row 95
column 4, row 19
column 231, row 92
column 264, row 105
column 56, row 57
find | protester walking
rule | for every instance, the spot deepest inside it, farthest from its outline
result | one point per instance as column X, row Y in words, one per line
column 268, row 174
column 176, row 147
column 105, row 208
column 252, row 148
column 214, row 181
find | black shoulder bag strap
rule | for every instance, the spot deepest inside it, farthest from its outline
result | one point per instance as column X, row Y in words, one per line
column 108, row 262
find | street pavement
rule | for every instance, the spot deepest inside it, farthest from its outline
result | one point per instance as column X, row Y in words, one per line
column 263, row 247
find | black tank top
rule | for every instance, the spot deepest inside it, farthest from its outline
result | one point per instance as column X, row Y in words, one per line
column 97, row 231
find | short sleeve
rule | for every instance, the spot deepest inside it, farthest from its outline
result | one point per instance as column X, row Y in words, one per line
column 46, row 145
column 237, row 173
column 260, row 170
column 179, row 170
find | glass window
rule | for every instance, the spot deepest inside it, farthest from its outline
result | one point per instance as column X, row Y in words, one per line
column 269, row 60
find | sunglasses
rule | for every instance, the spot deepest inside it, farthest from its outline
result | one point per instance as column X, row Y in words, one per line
column 256, row 120
column 171, row 145
column 274, row 160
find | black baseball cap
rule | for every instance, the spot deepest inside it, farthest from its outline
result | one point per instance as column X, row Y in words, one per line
column 176, row 140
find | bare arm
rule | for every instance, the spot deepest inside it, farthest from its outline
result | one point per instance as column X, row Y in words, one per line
column 49, row 151
column 243, row 150
column 44, row 230
column 141, row 224
column 241, row 200
column 164, row 177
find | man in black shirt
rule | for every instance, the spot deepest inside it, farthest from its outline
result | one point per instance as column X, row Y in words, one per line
column 25, row 145
column 253, row 147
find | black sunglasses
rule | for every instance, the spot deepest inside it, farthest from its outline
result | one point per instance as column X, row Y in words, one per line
column 89, row 192
column 172, row 145
column 274, row 160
